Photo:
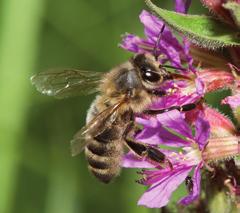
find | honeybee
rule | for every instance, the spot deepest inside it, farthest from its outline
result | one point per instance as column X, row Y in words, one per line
column 124, row 91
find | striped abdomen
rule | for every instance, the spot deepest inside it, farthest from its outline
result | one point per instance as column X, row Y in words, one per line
column 104, row 153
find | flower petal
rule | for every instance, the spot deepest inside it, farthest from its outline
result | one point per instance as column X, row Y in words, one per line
column 188, row 57
column 136, row 44
column 200, row 89
column 158, row 195
column 233, row 101
column 202, row 127
column 196, row 187
column 171, row 52
column 131, row 161
column 152, row 27
column 170, row 49
column 164, row 125
column 168, row 45
column 175, row 121
column 147, row 122
column 181, row 6
column 176, row 99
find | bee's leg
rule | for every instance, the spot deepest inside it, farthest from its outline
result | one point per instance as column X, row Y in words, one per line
column 149, row 152
column 183, row 108
column 140, row 149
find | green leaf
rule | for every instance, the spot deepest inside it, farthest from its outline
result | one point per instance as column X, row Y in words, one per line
column 237, row 160
column 204, row 31
column 218, row 203
column 234, row 9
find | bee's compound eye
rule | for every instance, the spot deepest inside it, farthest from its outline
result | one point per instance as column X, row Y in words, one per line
column 149, row 75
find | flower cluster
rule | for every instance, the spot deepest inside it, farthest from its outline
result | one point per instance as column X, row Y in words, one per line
column 196, row 140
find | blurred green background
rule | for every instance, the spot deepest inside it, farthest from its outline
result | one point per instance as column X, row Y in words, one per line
column 37, row 173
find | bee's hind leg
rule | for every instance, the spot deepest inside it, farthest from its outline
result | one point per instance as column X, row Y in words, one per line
column 149, row 153
column 142, row 150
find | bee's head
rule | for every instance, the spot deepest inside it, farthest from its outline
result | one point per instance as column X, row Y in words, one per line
column 144, row 73
column 150, row 70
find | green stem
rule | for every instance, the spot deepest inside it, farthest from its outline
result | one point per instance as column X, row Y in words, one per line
column 18, row 45
column 63, row 183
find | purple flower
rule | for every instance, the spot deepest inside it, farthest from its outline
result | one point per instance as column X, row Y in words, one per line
column 186, row 87
column 170, row 129
column 233, row 101
column 181, row 6
column 183, row 138
column 169, row 49
column 181, row 96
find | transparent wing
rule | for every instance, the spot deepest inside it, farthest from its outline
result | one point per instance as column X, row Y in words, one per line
column 67, row 82
column 100, row 122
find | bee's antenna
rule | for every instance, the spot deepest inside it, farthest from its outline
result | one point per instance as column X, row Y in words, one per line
column 158, row 41
column 172, row 67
